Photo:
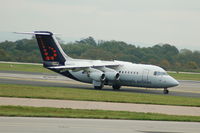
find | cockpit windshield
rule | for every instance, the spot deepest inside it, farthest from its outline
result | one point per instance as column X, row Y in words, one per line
column 160, row 73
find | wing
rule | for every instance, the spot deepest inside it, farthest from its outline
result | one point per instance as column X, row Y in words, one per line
column 84, row 67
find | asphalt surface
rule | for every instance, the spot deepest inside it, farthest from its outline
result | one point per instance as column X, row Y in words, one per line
column 186, row 88
column 68, row 125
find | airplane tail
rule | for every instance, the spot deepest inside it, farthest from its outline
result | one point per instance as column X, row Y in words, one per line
column 51, row 51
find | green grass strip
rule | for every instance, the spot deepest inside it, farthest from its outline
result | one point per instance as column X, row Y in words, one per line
column 186, row 76
column 23, row 68
column 28, row 91
column 82, row 113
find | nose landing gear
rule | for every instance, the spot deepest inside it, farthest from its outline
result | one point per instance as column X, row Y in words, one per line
column 165, row 91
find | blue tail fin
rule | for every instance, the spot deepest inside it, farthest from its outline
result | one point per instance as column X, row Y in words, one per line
column 51, row 51
column 49, row 48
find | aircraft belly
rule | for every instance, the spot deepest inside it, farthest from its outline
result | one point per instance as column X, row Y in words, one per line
column 78, row 76
column 135, row 81
column 82, row 77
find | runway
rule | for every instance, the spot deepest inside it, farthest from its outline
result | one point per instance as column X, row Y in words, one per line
column 63, row 125
column 186, row 88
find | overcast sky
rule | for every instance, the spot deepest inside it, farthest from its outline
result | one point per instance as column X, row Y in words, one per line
column 145, row 22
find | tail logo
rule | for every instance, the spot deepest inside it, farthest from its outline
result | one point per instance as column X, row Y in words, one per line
column 50, row 53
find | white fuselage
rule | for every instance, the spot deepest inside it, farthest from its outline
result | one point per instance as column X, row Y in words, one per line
column 137, row 75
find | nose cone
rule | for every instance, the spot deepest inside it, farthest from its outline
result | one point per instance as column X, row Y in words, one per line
column 172, row 82
column 175, row 82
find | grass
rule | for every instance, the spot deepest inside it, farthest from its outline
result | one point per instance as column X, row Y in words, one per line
column 27, row 91
column 23, row 68
column 40, row 69
column 25, row 111
column 185, row 76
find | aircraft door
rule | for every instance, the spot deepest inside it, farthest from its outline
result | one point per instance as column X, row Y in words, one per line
column 145, row 75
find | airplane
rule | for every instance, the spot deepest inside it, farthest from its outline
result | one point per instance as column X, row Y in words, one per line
column 97, row 72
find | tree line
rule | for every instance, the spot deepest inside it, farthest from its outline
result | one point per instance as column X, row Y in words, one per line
column 165, row 55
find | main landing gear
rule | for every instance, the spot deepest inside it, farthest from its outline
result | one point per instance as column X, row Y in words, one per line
column 165, row 91
column 98, row 87
column 116, row 87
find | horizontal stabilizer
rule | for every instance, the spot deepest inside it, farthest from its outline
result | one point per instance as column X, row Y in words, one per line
column 34, row 33
column 37, row 33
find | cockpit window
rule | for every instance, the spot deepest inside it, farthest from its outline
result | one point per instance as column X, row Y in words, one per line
column 159, row 73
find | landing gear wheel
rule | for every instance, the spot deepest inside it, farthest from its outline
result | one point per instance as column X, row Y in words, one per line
column 116, row 87
column 98, row 87
column 165, row 91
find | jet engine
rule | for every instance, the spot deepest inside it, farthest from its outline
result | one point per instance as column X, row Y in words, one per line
column 97, row 75
column 112, row 75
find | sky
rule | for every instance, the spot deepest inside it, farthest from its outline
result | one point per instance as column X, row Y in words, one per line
column 140, row 22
